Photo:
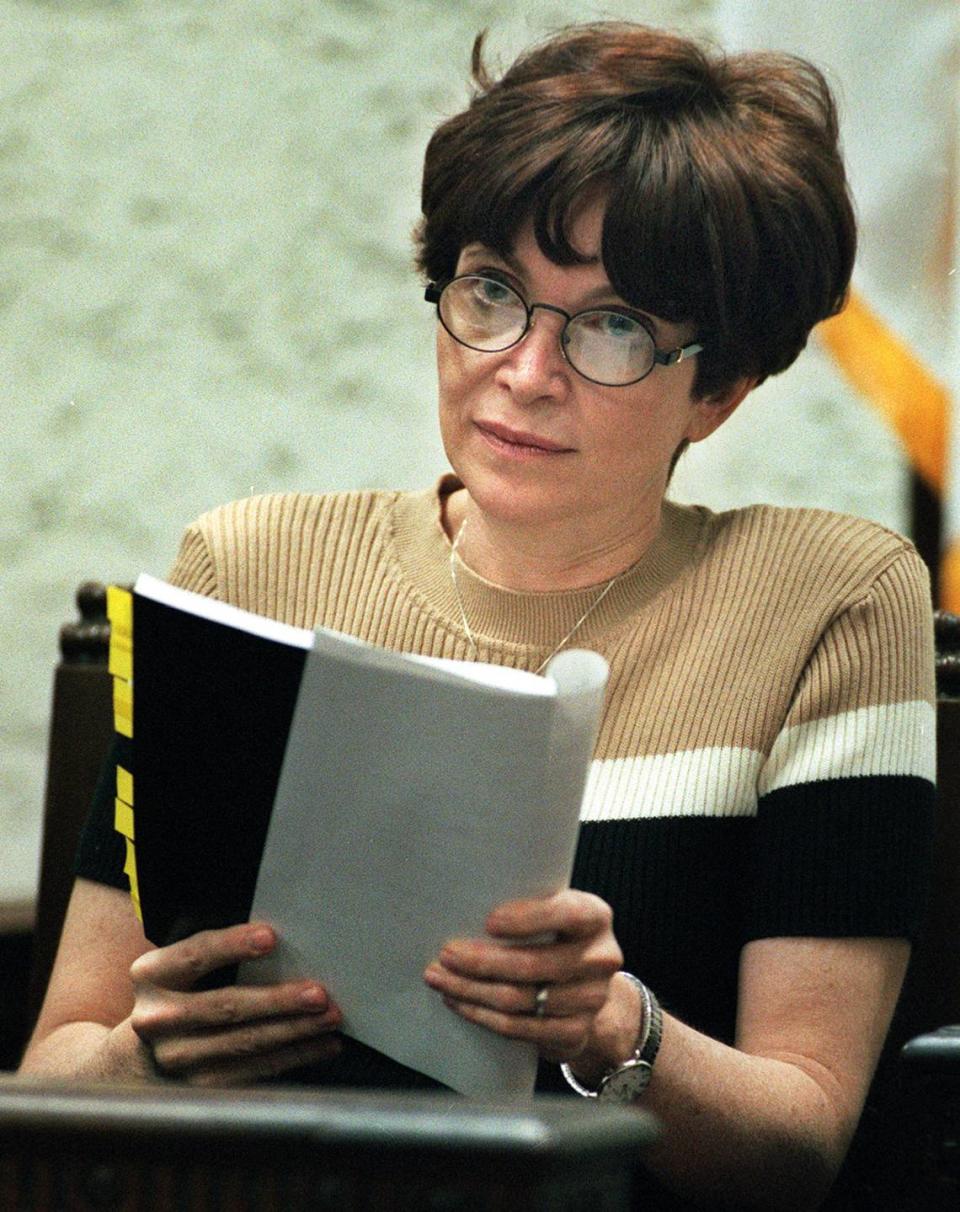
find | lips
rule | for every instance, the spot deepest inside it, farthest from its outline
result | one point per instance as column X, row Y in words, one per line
column 520, row 439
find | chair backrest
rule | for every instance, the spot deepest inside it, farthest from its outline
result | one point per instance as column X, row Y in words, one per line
column 889, row 1166
column 81, row 726
column 931, row 994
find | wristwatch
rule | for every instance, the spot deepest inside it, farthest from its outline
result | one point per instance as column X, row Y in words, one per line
column 629, row 1080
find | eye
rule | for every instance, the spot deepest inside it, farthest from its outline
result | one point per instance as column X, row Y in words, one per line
column 490, row 292
column 615, row 324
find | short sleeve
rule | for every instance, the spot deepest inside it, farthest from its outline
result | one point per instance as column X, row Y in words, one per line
column 845, row 813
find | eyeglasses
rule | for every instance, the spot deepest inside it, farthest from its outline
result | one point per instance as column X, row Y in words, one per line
column 608, row 346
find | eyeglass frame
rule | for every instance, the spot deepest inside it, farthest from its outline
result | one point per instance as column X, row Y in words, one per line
column 661, row 357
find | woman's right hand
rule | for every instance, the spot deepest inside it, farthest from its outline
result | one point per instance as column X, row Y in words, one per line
column 232, row 1035
column 118, row 1009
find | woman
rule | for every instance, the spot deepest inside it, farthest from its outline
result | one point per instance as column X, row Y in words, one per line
column 623, row 236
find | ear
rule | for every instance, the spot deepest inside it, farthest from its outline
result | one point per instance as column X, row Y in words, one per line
column 709, row 412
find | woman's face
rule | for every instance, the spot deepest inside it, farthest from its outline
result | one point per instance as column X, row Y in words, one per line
column 535, row 442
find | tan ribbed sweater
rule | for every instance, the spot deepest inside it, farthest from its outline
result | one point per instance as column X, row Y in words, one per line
column 748, row 650
column 765, row 761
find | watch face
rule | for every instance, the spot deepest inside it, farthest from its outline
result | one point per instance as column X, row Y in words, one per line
column 627, row 1083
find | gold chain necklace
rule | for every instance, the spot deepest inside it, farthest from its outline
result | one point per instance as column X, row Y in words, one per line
column 566, row 639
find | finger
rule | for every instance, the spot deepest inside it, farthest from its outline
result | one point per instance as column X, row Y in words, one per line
column 569, row 914
column 259, row 1068
column 510, row 999
column 561, row 1001
column 554, row 1038
column 182, row 964
column 162, row 1012
column 554, row 963
column 180, row 1054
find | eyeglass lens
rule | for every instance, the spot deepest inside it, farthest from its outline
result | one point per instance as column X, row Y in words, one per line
column 606, row 347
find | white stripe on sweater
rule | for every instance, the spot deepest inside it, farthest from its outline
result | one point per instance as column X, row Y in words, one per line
column 897, row 738
column 724, row 781
column 697, row 782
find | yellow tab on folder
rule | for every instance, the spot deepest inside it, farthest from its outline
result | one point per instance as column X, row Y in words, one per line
column 130, row 871
column 125, row 785
column 120, row 614
column 123, row 707
column 123, row 819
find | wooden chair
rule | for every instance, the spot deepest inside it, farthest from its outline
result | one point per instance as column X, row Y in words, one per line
column 926, row 1111
column 893, row 1163
column 931, row 994
column 81, row 727
column 85, row 1148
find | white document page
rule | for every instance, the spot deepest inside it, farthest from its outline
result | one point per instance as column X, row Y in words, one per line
column 408, row 807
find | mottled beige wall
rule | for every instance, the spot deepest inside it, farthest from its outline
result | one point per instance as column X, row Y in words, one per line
column 205, row 291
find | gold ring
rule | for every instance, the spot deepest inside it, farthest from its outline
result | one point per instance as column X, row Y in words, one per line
column 540, row 1001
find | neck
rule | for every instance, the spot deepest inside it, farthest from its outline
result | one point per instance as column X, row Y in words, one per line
column 544, row 557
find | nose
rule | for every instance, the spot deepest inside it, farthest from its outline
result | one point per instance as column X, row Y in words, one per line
column 535, row 366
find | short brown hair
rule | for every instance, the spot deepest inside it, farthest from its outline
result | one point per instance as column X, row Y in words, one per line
column 727, row 200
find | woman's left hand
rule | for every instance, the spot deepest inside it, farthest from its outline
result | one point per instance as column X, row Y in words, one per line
column 563, row 944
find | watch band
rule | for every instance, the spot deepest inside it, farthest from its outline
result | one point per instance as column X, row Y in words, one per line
column 640, row 1064
column 653, row 1032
